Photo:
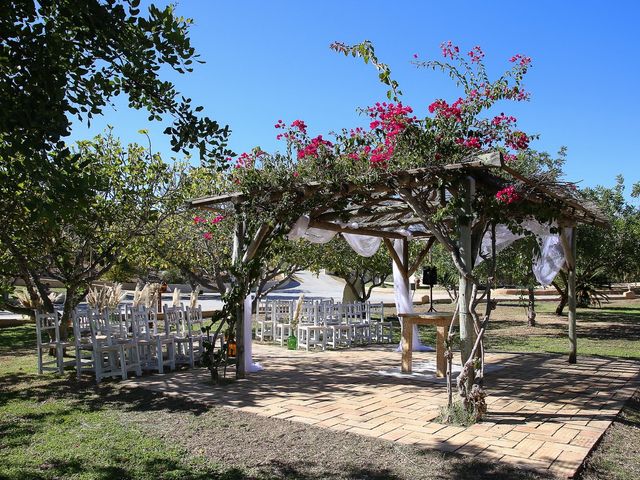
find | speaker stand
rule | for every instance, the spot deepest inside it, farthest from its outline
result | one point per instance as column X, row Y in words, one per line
column 431, row 309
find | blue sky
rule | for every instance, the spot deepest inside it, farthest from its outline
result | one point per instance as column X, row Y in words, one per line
column 269, row 60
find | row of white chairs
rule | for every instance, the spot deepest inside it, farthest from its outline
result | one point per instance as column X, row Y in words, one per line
column 323, row 323
column 114, row 342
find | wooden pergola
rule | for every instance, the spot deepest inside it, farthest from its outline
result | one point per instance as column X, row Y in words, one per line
column 401, row 206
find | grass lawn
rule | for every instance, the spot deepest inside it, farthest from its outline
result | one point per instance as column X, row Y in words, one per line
column 53, row 427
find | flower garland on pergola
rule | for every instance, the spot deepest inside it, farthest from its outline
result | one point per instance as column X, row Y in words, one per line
column 452, row 176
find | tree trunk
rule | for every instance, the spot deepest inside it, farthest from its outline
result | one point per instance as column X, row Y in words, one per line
column 467, row 330
column 531, row 308
column 564, row 293
column 73, row 298
column 564, row 298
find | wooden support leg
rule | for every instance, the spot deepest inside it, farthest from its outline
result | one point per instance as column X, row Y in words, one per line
column 160, row 356
column 407, row 342
column 441, row 365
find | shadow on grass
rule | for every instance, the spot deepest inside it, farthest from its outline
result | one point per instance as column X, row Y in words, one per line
column 158, row 469
column 16, row 339
column 89, row 396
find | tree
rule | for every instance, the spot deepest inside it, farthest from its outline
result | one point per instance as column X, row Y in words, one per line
column 605, row 255
column 361, row 274
column 200, row 246
column 66, row 58
column 130, row 194
column 515, row 267
column 69, row 58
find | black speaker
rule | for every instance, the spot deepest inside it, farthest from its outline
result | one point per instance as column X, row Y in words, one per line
column 429, row 276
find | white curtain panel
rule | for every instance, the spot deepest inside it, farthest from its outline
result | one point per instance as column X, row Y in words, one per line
column 550, row 261
column 545, row 266
column 314, row 235
column 363, row 245
column 404, row 301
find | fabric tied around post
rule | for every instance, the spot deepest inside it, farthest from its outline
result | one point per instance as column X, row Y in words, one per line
column 404, row 301
column 249, row 365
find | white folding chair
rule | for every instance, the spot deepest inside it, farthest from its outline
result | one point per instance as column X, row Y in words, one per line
column 193, row 331
column 355, row 318
column 282, row 315
column 157, row 350
column 265, row 325
column 381, row 330
column 108, row 352
column 174, row 326
column 338, row 333
column 83, row 343
column 311, row 332
column 47, row 341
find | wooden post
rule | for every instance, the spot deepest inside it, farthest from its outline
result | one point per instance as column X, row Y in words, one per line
column 568, row 237
column 467, row 331
column 441, row 322
column 407, row 342
column 441, row 363
column 237, row 255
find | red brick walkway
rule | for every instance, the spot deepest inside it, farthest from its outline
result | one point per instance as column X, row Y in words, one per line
column 543, row 413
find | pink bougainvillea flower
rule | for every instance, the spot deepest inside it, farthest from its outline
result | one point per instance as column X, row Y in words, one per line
column 449, row 50
column 503, row 120
column 442, row 109
column 300, row 125
column 207, row 235
column 518, row 141
column 521, row 60
column 198, row 220
column 244, row 161
column 391, row 118
column 312, row 148
column 296, row 174
column 507, row 195
column 476, row 54
column 217, row 219
column 471, row 142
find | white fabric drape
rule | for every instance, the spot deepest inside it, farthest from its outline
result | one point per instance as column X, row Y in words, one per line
column 314, row 235
column 550, row 261
column 551, row 258
column 404, row 302
column 363, row 245
column 249, row 366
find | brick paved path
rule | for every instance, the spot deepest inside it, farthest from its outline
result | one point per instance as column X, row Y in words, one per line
column 543, row 413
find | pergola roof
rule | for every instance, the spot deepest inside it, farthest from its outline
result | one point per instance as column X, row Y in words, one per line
column 376, row 209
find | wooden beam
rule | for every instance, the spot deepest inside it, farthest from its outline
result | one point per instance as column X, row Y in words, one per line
column 423, row 253
column 411, row 179
column 204, row 202
column 355, row 231
column 575, row 204
column 259, row 236
column 396, row 259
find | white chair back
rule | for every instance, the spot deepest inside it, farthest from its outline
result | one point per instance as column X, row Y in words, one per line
column 81, row 327
column 173, row 320
column 195, row 321
column 282, row 311
column 47, row 327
